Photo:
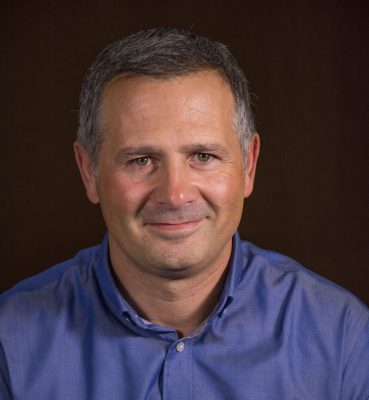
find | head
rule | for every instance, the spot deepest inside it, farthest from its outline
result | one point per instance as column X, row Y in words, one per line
column 165, row 131
column 162, row 54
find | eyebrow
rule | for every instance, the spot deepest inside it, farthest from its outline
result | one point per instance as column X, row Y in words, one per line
column 206, row 147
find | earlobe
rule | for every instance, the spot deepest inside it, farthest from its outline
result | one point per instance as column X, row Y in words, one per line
column 252, row 159
column 86, row 170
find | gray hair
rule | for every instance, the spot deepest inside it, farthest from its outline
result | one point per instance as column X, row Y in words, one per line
column 160, row 53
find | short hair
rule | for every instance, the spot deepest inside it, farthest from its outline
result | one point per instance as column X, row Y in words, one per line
column 160, row 53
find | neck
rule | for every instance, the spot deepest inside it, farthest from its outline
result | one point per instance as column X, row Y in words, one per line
column 182, row 304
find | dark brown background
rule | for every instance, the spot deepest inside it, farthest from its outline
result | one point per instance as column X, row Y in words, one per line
column 307, row 62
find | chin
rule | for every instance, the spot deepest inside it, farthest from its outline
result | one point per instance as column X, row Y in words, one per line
column 174, row 265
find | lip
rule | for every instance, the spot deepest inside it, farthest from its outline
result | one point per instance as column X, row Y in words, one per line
column 175, row 230
column 174, row 226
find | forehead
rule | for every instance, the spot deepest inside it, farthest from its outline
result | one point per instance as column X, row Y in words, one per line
column 199, row 97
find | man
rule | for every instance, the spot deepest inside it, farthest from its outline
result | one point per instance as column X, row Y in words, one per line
column 173, row 304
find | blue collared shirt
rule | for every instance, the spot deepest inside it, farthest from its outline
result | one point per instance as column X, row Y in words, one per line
column 278, row 332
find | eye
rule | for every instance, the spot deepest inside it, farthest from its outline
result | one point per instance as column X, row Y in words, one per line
column 141, row 161
column 203, row 157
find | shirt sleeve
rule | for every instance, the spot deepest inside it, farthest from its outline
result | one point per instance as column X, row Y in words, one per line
column 356, row 373
column 4, row 377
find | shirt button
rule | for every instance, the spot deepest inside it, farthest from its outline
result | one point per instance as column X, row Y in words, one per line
column 180, row 347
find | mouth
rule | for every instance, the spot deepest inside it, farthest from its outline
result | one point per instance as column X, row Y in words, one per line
column 174, row 230
column 175, row 226
column 168, row 223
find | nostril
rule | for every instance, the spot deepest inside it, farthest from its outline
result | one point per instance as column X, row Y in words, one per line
column 174, row 196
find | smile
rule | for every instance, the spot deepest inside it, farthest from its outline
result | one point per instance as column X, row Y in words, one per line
column 174, row 227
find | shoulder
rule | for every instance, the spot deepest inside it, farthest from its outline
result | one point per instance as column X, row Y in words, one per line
column 279, row 267
column 314, row 319
column 282, row 280
column 41, row 291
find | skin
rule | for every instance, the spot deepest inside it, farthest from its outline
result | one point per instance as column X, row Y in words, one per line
column 171, row 184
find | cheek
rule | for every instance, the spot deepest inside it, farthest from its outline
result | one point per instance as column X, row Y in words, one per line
column 121, row 193
column 224, row 190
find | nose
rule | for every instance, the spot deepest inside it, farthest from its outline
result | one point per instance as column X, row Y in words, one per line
column 175, row 185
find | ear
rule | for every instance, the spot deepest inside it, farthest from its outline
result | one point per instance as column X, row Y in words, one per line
column 86, row 170
column 252, row 159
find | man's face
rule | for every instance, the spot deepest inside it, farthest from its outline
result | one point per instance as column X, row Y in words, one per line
column 171, row 179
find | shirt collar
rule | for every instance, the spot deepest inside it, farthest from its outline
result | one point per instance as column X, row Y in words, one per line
column 233, row 277
column 119, row 305
column 109, row 288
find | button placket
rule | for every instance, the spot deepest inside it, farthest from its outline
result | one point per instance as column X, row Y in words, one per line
column 177, row 369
